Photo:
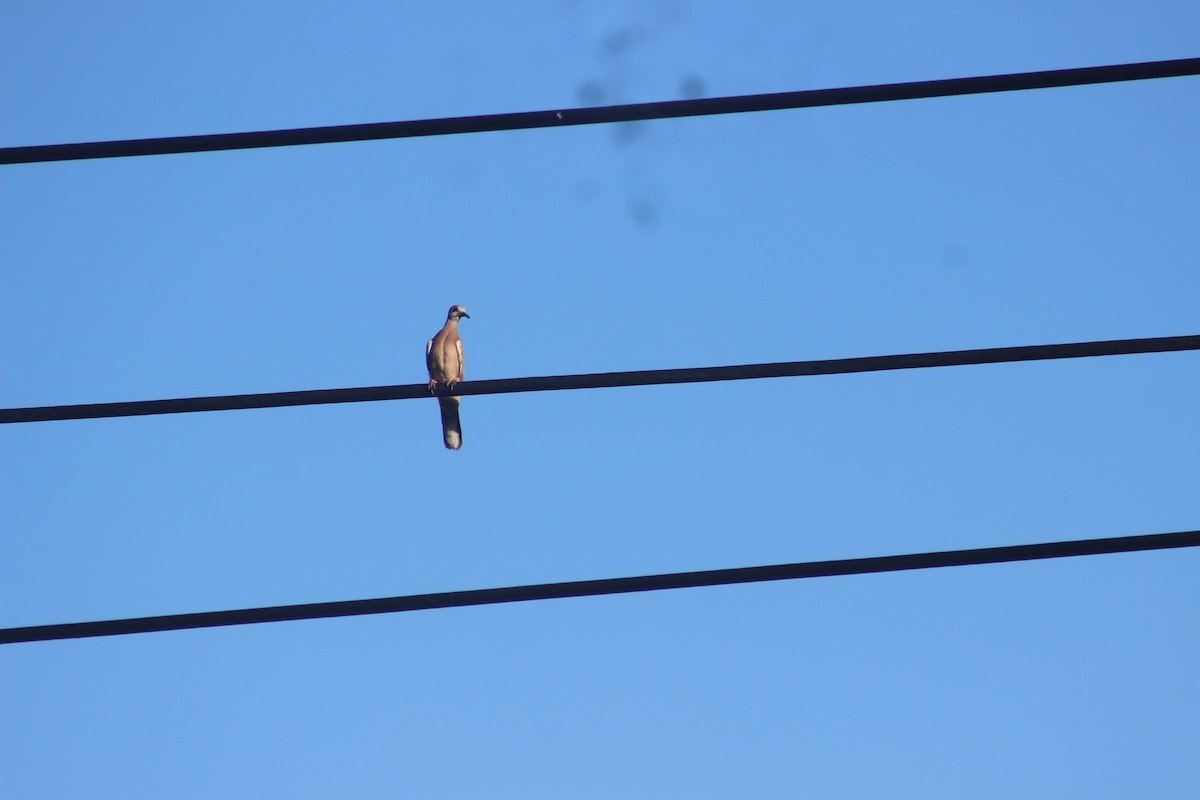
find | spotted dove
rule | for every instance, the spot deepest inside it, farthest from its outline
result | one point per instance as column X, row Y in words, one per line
column 444, row 360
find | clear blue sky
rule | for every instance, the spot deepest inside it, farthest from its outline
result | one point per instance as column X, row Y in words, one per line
column 1026, row 218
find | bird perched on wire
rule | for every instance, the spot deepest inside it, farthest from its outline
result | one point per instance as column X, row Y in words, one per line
column 444, row 360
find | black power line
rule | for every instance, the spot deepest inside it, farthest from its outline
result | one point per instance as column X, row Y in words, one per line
column 643, row 583
column 590, row 116
column 837, row 366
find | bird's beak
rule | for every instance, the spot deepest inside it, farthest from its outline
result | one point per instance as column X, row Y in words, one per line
column 465, row 314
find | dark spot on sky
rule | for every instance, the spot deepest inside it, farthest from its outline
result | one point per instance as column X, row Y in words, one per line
column 691, row 87
column 644, row 212
column 590, row 93
column 620, row 41
column 626, row 133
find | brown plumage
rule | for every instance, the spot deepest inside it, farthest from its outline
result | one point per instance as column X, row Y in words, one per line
column 445, row 362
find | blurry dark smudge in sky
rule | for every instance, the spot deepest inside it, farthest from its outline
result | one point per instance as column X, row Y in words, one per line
column 617, row 50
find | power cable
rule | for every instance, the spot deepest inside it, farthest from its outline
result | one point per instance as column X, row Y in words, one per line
column 604, row 114
column 594, row 588
column 837, row 366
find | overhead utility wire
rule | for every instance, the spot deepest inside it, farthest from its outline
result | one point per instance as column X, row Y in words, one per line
column 643, row 583
column 837, row 366
column 603, row 114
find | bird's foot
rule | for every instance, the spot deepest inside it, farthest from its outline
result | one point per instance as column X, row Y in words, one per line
column 432, row 385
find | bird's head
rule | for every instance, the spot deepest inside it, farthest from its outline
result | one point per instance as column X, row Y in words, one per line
column 457, row 311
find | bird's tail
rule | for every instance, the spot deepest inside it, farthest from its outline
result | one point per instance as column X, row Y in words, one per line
column 451, row 429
